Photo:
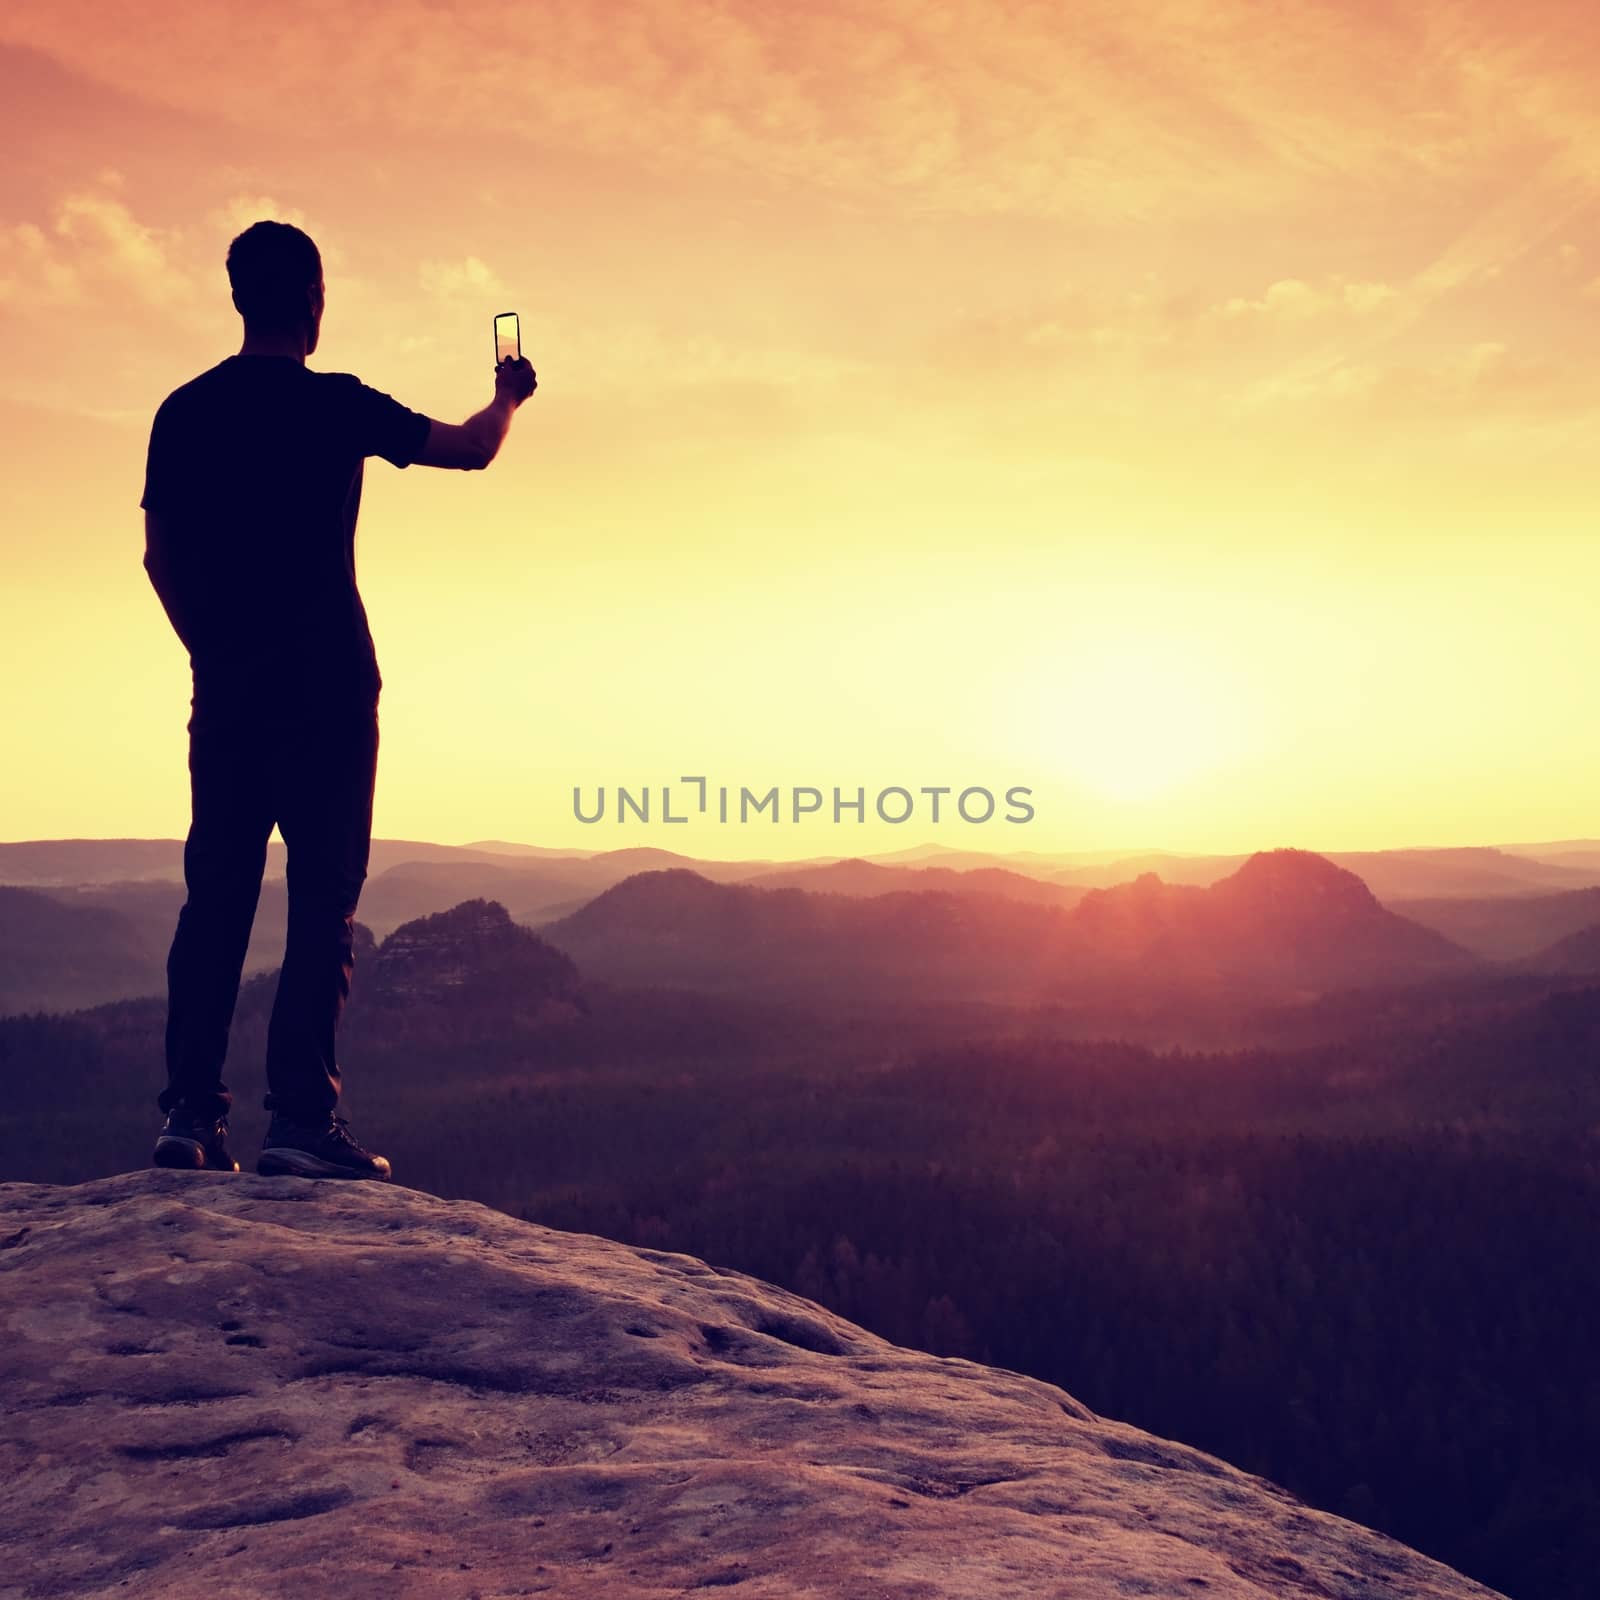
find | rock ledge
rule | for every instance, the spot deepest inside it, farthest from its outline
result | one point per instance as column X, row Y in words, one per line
column 271, row 1387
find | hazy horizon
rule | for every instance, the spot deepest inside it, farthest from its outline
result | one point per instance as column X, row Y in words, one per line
column 1086, row 855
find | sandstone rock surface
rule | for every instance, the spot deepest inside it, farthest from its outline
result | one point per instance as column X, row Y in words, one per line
column 273, row 1387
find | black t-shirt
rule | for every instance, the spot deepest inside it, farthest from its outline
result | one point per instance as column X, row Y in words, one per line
column 255, row 470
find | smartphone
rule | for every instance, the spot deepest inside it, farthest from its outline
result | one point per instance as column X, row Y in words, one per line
column 507, row 337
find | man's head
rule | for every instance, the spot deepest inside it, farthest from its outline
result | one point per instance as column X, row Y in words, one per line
column 276, row 273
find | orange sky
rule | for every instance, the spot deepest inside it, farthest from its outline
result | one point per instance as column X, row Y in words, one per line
column 1187, row 410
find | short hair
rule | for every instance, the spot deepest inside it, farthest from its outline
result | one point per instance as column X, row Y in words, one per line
column 271, row 265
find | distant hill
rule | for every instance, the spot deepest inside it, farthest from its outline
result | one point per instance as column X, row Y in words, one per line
column 506, row 847
column 471, row 956
column 39, row 863
column 615, row 865
column 1578, row 954
column 1285, row 916
column 1414, row 874
column 119, row 949
column 679, row 928
column 46, row 863
column 1493, row 902
column 52, row 955
column 1390, row 874
column 858, row 876
column 1561, row 852
column 415, row 888
column 1506, row 927
column 1286, row 920
column 1200, row 871
column 533, row 888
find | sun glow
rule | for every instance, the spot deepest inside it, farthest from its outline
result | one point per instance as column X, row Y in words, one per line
column 1139, row 716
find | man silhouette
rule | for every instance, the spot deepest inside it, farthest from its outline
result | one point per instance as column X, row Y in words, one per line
column 252, row 488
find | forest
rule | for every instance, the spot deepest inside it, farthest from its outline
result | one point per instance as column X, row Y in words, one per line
column 1360, row 1263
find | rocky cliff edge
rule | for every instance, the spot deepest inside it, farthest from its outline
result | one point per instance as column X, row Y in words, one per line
column 250, row 1386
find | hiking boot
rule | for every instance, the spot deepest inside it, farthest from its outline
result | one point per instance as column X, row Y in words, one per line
column 322, row 1149
column 194, row 1142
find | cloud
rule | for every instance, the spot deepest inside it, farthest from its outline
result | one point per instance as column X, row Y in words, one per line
column 95, row 250
column 448, row 279
column 34, row 271
column 236, row 214
column 94, row 253
column 1160, row 326
column 968, row 107
column 1487, row 381
column 93, row 247
column 629, row 357
column 155, row 295
column 1293, row 300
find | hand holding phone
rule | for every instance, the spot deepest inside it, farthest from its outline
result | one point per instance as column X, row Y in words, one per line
column 514, row 376
column 515, row 380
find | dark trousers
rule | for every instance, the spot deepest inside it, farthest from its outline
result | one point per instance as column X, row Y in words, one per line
column 315, row 780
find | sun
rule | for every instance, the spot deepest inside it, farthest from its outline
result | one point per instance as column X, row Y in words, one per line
column 1132, row 719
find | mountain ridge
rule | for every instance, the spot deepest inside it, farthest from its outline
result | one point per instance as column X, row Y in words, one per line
column 1285, row 918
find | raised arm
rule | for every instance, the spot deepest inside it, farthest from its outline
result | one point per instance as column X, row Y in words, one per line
column 473, row 444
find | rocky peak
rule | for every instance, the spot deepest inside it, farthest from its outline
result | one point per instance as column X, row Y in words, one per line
column 1296, row 885
column 472, row 950
column 243, row 1385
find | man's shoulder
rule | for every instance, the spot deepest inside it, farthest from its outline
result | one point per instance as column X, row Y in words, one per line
column 232, row 382
column 198, row 390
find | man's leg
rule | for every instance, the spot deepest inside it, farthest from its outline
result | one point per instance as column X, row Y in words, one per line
column 223, row 859
column 325, row 779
